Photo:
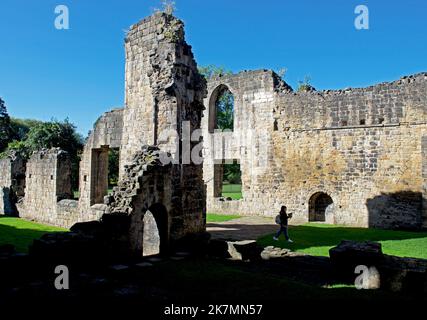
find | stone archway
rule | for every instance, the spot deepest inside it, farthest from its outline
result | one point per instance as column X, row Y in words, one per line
column 319, row 205
column 155, row 231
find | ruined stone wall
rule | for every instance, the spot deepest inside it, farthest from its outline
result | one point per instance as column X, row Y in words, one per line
column 362, row 147
column 12, row 183
column 93, row 183
column 164, row 96
column 254, row 99
column 48, row 181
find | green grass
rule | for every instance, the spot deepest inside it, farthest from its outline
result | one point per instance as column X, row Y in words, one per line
column 213, row 217
column 317, row 239
column 21, row 233
column 234, row 191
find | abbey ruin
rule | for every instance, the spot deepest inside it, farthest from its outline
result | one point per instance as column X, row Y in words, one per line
column 354, row 157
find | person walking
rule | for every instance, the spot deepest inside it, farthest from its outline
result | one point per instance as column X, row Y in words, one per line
column 284, row 217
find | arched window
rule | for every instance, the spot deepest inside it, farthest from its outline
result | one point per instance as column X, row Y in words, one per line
column 319, row 205
column 221, row 109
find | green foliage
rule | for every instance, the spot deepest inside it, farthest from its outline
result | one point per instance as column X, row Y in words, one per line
column 17, row 147
column 113, row 166
column 5, row 128
column 211, row 71
column 172, row 31
column 225, row 101
column 232, row 181
column 57, row 134
column 54, row 134
column 232, row 173
column 34, row 135
column 305, row 85
column 21, row 127
column 225, row 110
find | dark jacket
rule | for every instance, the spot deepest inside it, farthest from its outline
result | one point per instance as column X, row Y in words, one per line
column 284, row 219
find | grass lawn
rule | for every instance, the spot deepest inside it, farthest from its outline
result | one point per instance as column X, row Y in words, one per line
column 21, row 233
column 317, row 239
column 234, row 191
column 213, row 217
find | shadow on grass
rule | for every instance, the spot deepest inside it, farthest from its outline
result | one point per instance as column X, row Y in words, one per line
column 209, row 280
column 21, row 233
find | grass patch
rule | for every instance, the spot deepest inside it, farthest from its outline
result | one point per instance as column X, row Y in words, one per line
column 234, row 191
column 213, row 217
column 21, row 233
column 317, row 239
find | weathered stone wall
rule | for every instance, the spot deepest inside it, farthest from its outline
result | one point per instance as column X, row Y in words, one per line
column 254, row 95
column 48, row 181
column 164, row 97
column 93, row 183
column 358, row 154
column 362, row 147
column 12, row 183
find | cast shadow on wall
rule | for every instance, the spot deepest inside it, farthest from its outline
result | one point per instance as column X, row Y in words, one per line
column 398, row 210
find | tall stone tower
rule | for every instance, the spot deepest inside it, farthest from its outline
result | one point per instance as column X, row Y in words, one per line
column 163, row 87
column 163, row 107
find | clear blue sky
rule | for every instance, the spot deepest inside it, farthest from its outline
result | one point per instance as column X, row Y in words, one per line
column 79, row 73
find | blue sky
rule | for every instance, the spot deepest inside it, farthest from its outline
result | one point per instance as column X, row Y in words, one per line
column 79, row 73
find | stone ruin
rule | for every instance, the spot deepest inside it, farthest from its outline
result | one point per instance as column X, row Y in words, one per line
column 355, row 157
column 165, row 202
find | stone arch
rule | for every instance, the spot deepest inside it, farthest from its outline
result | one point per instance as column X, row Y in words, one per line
column 213, row 99
column 155, row 230
column 319, row 207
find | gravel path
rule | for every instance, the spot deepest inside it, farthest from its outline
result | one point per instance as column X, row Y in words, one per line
column 245, row 228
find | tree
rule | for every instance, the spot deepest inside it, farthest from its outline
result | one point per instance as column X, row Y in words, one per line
column 33, row 135
column 5, row 129
column 211, row 71
column 225, row 109
column 113, row 167
column 54, row 134
column 57, row 134
column 225, row 101
column 232, row 173
column 21, row 127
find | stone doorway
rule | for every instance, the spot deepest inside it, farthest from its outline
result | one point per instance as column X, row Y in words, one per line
column 319, row 205
column 155, row 231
